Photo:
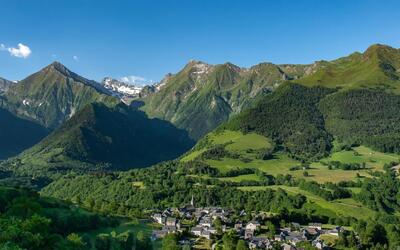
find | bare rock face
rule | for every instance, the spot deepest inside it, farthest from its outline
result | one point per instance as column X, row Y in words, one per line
column 5, row 85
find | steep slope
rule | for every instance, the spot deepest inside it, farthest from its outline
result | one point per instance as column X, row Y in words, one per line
column 377, row 67
column 353, row 100
column 17, row 134
column 102, row 138
column 291, row 118
column 305, row 121
column 201, row 96
column 5, row 85
column 350, row 101
column 52, row 95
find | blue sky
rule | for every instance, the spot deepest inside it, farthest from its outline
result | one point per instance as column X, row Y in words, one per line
column 151, row 38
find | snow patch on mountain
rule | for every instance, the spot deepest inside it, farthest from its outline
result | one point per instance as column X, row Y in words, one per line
column 125, row 92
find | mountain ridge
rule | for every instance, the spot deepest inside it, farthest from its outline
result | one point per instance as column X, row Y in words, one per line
column 99, row 137
column 217, row 91
column 52, row 95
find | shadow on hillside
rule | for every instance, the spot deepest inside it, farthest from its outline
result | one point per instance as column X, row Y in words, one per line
column 17, row 134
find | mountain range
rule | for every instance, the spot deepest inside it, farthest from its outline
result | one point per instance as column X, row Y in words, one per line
column 201, row 96
column 86, row 124
column 305, row 143
column 337, row 100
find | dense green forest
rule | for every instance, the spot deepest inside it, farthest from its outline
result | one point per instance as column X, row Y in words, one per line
column 366, row 116
column 29, row 221
column 290, row 117
column 305, row 120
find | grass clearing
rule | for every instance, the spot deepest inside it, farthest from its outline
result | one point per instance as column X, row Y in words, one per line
column 236, row 141
column 138, row 184
column 330, row 240
column 374, row 159
column 245, row 177
column 281, row 164
column 341, row 207
column 192, row 155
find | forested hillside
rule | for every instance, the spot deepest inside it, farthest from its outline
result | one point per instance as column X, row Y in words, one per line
column 102, row 138
column 291, row 118
column 28, row 221
column 17, row 134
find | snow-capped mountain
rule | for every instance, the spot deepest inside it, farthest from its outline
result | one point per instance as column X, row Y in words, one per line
column 120, row 89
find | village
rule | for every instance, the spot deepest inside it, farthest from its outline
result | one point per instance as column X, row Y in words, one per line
column 208, row 223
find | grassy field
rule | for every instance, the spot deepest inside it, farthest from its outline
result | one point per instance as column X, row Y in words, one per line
column 236, row 141
column 281, row 163
column 192, row 155
column 341, row 207
column 245, row 177
column 202, row 244
column 329, row 239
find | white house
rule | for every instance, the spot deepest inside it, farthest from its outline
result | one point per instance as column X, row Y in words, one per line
column 253, row 225
column 159, row 218
column 196, row 231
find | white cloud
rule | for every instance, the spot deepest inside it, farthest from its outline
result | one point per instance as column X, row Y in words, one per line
column 22, row 51
column 136, row 80
column 76, row 58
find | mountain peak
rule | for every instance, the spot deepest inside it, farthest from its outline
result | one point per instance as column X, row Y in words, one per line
column 379, row 49
column 58, row 67
column 196, row 63
column 121, row 89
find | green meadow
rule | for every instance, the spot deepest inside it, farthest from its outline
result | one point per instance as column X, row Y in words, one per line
column 340, row 207
column 246, row 144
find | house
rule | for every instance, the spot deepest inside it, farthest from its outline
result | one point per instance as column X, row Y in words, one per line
column 311, row 232
column 159, row 218
column 319, row 244
column 315, row 225
column 259, row 243
column 238, row 226
column 212, row 230
column 295, row 237
column 295, row 226
column 167, row 212
column 248, row 234
column 335, row 231
column 171, row 222
column 196, row 231
column 206, row 234
column 205, row 222
column 288, row 247
column 253, row 225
